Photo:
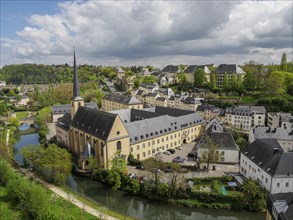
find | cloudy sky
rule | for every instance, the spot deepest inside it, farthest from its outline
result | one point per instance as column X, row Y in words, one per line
column 145, row 32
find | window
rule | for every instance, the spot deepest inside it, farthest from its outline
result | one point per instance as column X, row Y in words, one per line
column 118, row 145
column 287, row 184
column 137, row 147
column 171, row 136
column 143, row 145
column 158, row 141
column 266, row 180
column 162, row 139
column 149, row 143
column 222, row 153
column 278, row 185
column 143, row 154
column 131, row 149
column 167, row 138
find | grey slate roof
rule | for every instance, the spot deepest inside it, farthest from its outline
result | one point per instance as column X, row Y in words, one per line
column 190, row 69
column 94, row 122
column 229, row 69
column 278, row 133
column 214, row 126
column 283, row 204
column 167, row 69
column 169, row 111
column 162, row 99
column 154, row 122
column 161, row 125
column 190, row 100
column 124, row 99
column 245, row 110
column 223, row 141
column 64, row 121
column 174, row 69
column 268, row 154
column 62, row 109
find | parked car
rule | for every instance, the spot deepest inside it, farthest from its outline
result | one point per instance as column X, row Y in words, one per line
column 167, row 152
column 139, row 167
column 179, row 148
column 192, row 154
column 172, row 151
column 169, row 170
column 132, row 175
column 183, row 170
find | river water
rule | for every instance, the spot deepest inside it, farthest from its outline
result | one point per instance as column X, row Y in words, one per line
column 137, row 207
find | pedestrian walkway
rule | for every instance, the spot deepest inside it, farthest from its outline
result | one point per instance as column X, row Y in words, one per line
column 78, row 203
column 69, row 197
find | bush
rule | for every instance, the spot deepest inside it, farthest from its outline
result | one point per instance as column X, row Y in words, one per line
column 131, row 160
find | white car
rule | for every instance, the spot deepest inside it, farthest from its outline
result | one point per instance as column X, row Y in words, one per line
column 179, row 148
column 167, row 152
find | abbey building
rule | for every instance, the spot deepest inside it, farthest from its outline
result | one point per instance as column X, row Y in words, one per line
column 140, row 132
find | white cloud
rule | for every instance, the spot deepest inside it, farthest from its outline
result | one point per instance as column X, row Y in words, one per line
column 156, row 32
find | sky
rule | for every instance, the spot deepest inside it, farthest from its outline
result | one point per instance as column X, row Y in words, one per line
column 154, row 33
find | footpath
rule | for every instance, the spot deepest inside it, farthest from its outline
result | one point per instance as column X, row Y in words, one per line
column 69, row 197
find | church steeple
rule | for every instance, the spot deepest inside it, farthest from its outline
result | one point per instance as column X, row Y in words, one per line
column 76, row 100
column 76, row 91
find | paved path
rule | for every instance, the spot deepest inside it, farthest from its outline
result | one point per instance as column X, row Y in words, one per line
column 79, row 204
column 69, row 197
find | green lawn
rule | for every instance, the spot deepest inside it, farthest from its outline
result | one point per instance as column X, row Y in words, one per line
column 64, row 208
column 248, row 99
column 21, row 115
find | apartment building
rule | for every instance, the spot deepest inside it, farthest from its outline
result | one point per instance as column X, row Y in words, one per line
column 245, row 117
column 280, row 119
column 282, row 135
column 229, row 70
column 115, row 101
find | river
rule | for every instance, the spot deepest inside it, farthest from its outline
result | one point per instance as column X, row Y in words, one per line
column 137, row 207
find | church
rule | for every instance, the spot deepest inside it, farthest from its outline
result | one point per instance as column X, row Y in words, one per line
column 140, row 132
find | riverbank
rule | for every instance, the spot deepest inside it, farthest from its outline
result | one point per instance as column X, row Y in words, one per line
column 82, row 203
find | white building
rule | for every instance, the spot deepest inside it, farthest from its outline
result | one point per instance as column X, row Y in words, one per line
column 265, row 161
column 280, row 119
column 245, row 117
column 226, row 147
column 283, row 136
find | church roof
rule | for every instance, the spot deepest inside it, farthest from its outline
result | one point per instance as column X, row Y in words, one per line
column 62, row 109
column 94, row 122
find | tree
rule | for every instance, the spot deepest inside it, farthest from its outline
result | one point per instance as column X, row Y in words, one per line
column 210, row 153
column 249, row 82
column 233, row 82
column 284, row 62
column 213, row 82
column 199, row 78
column 226, row 83
column 118, row 162
column 13, row 121
column 114, row 179
column 254, row 196
column 53, row 163
column 274, row 84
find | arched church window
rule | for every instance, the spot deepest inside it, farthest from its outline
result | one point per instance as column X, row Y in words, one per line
column 118, row 145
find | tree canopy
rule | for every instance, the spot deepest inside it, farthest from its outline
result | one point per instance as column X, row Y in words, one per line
column 52, row 162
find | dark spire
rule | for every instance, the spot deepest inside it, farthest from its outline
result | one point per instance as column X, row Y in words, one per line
column 76, row 92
